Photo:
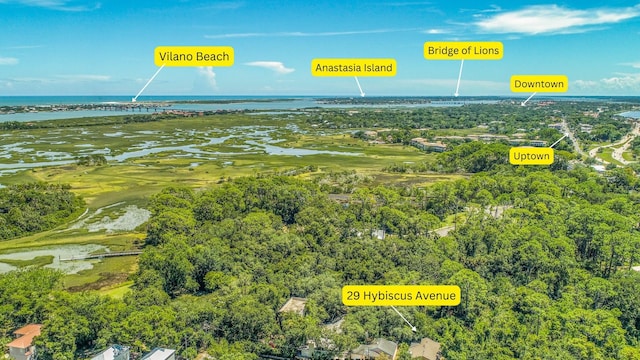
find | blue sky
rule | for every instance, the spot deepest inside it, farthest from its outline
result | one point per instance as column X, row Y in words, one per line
column 68, row 47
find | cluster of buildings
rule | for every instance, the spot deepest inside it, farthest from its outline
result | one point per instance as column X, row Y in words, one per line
column 583, row 127
column 119, row 352
column 439, row 143
column 426, row 349
column 184, row 113
column 439, row 146
column 23, row 348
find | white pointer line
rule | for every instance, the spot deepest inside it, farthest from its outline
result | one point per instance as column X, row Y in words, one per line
column 529, row 98
column 147, row 84
column 359, row 87
column 556, row 143
column 459, row 77
column 413, row 328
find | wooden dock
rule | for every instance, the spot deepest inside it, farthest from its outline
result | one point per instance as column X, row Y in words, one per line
column 104, row 255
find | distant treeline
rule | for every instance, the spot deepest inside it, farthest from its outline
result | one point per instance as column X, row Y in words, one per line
column 97, row 121
column 473, row 157
column 93, row 121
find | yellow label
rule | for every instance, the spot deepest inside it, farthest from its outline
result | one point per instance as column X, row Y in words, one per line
column 539, row 83
column 531, row 156
column 353, row 67
column 193, row 56
column 463, row 50
column 401, row 295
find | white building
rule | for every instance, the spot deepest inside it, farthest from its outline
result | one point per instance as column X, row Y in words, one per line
column 161, row 354
column 115, row 352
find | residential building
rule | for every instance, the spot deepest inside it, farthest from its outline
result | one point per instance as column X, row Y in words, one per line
column 538, row 143
column 373, row 351
column 294, row 305
column 586, row 128
column 452, row 137
column 424, row 144
column 115, row 352
column 22, row 348
column 378, row 234
column 427, row 349
column 370, row 134
column 491, row 137
column 315, row 351
column 557, row 126
column 160, row 354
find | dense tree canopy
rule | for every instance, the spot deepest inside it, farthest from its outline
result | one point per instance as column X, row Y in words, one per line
column 29, row 208
column 543, row 260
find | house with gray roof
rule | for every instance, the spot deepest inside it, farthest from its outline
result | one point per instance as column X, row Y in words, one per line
column 375, row 350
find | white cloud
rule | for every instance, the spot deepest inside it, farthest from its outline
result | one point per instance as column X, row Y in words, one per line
column 209, row 75
column 8, row 61
column 622, row 81
column 554, row 19
column 276, row 66
column 7, row 84
column 60, row 5
column 618, row 82
column 306, row 34
column 585, row 84
column 84, row 77
column 63, row 79
column 635, row 65
column 435, row 31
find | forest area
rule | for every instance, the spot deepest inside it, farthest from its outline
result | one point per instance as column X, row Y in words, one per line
column 548, row 278
column 544, row 256
column 34, row 207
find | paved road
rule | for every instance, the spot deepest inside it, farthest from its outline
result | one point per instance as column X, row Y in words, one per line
column 594, row 153
column 622, row 145
column 574, row 141
column 617, row 153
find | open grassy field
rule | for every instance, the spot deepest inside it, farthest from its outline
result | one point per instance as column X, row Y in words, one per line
column 461, row 132
column 606, row 156
column 144, row 158
column 117, row 291
column 36, row 261
column 628, row 155
column 106, row 273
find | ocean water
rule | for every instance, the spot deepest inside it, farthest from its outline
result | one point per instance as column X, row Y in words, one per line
column 76, row 100
column 41, row 103
column 274, row 103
